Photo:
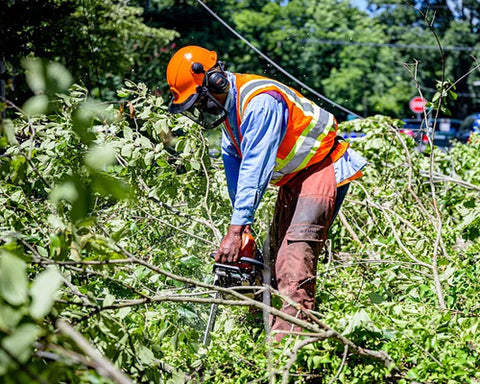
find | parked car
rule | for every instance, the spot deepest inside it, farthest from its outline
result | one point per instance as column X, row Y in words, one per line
column 446, row 131
column 413, row 128
column 470, row 125
column 351, row 135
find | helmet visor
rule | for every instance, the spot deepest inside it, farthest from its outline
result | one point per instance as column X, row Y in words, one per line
column 206, row 110
column 182, row 107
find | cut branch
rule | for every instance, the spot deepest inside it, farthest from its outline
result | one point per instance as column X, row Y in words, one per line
column 102, row 365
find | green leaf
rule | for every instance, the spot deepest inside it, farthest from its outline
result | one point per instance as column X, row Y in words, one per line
column 452, row 95
column 58, row 77
column 359, row 320
column 191, row 261
column 36, row 105
column 123, row 92
column 82, row 121
column 42, row 251
column 109, row 186
column 66, row 191
column 9, row 316
column 47, row 77
column 99, row 157
column 149, row 157
column 178, row 377
column 18, row 167
column 420, row 245
column 13, row 279
column 109, row 300
column 34, row 74
column 469, row 219
column 43, row 292
column 56, row 222
column 195, row 165
column 78, row 193
column 9, row 130
column 375, row 298
column 123, row 312
column 20, row 342
column 317, row 361
column 174, row 341
column 146, row 355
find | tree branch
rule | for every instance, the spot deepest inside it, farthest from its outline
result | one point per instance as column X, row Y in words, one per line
column 101, row 364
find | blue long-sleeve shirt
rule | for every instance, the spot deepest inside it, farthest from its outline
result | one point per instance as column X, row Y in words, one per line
column 263, row 127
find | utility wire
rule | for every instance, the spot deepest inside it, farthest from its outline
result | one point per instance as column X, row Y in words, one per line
column 275, row 64
column 391, row 45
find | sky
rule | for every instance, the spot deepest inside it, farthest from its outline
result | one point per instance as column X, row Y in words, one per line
column 361, row 4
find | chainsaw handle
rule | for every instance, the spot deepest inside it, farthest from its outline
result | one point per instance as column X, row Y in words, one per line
column 247, row 260
column 251, row 261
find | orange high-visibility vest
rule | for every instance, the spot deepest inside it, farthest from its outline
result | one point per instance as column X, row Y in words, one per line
column 310, row 134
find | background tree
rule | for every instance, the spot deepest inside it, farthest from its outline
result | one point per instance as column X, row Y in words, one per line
column 455, row 26
column 354, row 57
column 100, row 42
column 358, row 59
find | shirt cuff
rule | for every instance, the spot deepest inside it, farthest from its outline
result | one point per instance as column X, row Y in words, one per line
column 242, row 216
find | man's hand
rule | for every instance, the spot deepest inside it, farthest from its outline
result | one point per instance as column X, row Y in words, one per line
column 231, row 244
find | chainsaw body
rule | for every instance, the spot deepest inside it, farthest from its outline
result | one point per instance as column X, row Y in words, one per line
column 247, row 272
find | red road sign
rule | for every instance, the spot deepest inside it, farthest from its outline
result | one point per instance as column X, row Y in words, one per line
column 417, row 104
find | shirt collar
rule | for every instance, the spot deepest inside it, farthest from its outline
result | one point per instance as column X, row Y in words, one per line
column 231, row 96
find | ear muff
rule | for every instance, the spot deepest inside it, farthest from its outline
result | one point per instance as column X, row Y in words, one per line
column 216, row 81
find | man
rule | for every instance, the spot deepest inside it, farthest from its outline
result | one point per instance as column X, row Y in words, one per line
column 271, row 133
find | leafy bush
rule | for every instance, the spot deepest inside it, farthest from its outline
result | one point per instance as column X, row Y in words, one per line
column 111, row 212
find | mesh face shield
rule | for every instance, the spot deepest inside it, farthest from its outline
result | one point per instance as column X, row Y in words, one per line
column 202, row 108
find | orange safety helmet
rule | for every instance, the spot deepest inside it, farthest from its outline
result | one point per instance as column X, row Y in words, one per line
column 185, row 73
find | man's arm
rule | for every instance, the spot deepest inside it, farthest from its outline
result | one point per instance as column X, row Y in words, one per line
column 263, row 128
column 231, row 164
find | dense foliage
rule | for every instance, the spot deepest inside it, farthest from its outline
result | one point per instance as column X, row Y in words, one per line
column 366, row 61
column 110, row 212
column 370, row 62
column 101, row 42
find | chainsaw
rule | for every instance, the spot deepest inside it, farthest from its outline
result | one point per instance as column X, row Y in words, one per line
column 247, row 272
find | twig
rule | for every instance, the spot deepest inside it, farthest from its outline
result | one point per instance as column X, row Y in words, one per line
column 399, row 241
column 208, row 224
column 293, row 357
column 324, row 331
column 207, row 192
column 391, row 211
column 347, row 226
column 439, row 221
column 149, row 216
column 376, row 355
column 22, row 366
column 77, row 293
column 438, row 177
column 101, row 364
column 342, row 364
column 404, row 264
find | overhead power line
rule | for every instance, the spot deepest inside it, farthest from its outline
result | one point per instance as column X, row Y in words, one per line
column 275, row 64
column 390, row 45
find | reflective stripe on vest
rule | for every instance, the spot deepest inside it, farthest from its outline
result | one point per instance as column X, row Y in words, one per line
column 305, row 147
column 308, row 142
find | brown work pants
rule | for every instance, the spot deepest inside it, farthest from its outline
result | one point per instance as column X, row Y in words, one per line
column 303, row 214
